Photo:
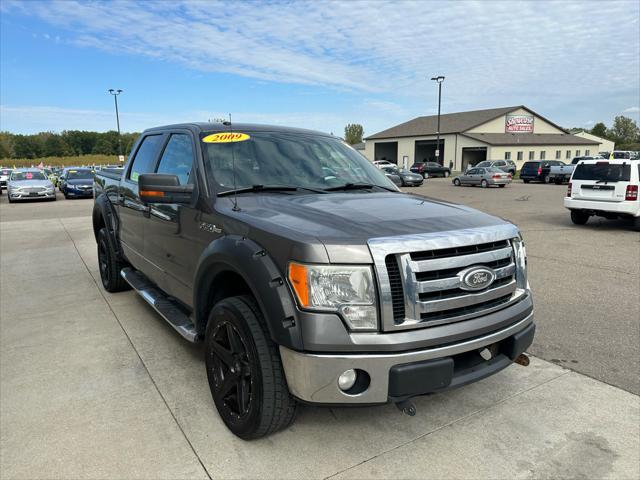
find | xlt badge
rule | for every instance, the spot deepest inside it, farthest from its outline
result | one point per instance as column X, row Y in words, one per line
column 209, row 227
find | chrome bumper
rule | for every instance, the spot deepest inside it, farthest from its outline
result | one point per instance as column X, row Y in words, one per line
column 314, row 377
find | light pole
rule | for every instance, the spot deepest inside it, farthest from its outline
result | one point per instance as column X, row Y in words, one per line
column 115, row 94
column 439, row 79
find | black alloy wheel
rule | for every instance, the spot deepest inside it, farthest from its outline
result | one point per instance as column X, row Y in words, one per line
column 103, row 261
column 231, row 370
column 109, row 264
column 244, row 370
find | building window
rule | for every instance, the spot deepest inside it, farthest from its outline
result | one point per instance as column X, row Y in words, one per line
column 577, row 153
column 568, row 156
column 587, row 152
column 520, row 155
column 531, row 155
column 507, row 155
column 543, row 155
column 558, row 154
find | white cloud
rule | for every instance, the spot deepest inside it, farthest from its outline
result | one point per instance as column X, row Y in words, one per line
column 631, row 110
column 485, row 48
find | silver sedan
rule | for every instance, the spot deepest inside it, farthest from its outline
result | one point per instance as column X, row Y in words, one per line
column 29, row 184
column 484, row 177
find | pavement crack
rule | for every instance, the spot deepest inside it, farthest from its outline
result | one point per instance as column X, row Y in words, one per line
column 155, row 385
column 448, row 424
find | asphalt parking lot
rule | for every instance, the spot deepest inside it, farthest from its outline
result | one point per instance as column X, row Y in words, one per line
column 96, row 385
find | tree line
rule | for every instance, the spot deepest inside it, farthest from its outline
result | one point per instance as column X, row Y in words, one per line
column 66, row 143
column 624, row 133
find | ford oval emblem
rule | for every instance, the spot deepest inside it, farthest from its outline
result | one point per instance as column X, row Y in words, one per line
column 476, row 278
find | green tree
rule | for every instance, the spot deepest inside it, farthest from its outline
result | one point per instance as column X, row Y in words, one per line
column 6, row 145
column 55, row 146
column 600, row 130
column 625, row 130
column 353, row 133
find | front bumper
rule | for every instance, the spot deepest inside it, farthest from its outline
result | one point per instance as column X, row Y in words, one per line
column 631, row 208
column 313, row 378
column 76, row 192
column 29, row 196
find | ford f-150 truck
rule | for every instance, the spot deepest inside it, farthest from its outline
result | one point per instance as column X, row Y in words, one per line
column 307, row 286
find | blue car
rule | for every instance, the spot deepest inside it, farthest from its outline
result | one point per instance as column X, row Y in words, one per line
column 77, row 183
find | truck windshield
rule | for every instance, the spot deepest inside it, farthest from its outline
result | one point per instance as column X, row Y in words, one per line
column 280, row 158
column 603, row 171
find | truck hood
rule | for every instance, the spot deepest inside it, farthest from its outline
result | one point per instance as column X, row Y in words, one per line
column 344, row 222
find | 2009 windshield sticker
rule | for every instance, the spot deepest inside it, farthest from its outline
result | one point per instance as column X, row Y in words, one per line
column 226, row 137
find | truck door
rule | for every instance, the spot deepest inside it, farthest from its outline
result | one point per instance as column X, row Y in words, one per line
column 173, row 239
column 133, row 213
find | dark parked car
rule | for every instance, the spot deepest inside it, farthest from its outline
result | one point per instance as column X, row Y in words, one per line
column 324, row 289
column 507, row 166
column 538, row 171
column 407, row 178
column 77, row 183
column 430, row 169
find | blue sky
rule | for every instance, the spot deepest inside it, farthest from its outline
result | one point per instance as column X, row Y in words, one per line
column 314, row 64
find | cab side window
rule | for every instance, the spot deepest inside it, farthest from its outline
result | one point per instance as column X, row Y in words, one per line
column 177, row 158
column 145, row 157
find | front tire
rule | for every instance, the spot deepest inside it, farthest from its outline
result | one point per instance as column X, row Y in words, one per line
column 109, row 265
column 446, row 174
column 245, row 371
column 579, row 218
column 456, row 182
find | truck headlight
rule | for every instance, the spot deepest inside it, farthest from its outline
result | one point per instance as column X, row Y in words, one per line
column 346, row 289
column 521, row 262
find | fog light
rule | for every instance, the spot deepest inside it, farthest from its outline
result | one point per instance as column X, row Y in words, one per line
column 347, row 380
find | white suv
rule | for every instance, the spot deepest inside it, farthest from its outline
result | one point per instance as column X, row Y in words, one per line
column 606, row 188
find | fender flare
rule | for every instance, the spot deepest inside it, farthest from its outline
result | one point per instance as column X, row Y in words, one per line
column 246, row 258
column 104, row 213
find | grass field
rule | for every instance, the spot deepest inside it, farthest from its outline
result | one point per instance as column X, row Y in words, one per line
column 76, row 161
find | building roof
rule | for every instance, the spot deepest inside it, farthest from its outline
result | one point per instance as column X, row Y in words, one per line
column 449, row 123
column 530, row 139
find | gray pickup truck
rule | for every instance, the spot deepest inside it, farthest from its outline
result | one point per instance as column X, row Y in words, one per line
column 308, row 275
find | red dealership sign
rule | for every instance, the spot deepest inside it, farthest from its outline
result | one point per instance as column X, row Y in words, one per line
column 519, row 124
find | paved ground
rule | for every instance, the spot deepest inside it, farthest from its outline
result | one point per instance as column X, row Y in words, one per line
column 94, row 385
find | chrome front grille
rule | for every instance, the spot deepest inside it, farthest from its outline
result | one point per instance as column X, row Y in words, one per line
column 33, row 190
column 421, row 277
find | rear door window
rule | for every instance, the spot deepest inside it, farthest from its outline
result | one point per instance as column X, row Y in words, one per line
column 145, row 159
column 177, row 158
column 603, row 172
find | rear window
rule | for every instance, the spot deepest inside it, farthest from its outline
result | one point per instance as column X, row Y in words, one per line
column 603, row 171
column 531, row 165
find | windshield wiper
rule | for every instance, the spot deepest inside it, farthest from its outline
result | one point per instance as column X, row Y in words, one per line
column 268, row 188
column 356, row 186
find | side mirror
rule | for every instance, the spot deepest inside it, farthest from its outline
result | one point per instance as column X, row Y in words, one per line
column 163, row 188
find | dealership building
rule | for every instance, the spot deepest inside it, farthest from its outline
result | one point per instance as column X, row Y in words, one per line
column 466, row 138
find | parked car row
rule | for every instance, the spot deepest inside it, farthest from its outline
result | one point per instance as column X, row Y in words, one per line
column 40, row 183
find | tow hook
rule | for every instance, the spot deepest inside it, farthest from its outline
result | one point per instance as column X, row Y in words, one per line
column 407, row 407
column 522, row 360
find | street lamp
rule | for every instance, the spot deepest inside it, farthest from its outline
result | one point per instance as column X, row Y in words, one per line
column 439, row 79
column 115, row 94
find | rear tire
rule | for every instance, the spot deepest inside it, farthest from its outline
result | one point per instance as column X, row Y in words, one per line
column 526, row 181
column 579, row 218
column 502, row 185
column 484, row 184
column 546, row 179
column 109, row 265
column 456, row 182
column 245, row 371
column 636, row 224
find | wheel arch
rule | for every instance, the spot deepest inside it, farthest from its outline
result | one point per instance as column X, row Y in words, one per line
column 232, row 266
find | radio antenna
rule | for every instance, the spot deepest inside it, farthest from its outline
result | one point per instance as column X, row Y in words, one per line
column 233, row 168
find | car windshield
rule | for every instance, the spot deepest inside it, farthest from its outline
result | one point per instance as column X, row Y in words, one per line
column 603, row 172
column 79, row 175
column 5, row 172
column 285, row 159
column 494, row 170
column 18, row 176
